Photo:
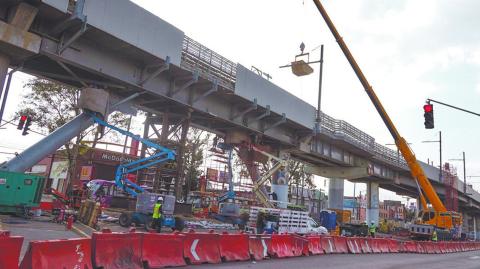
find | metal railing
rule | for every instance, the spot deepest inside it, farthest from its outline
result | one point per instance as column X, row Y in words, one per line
column 391, row 156
column 343, row 130
column 213, row 66
column 208, row 63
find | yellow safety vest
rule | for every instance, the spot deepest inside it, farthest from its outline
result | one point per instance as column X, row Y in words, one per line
column 157, row 212
column 434, row 236
column 373, row 229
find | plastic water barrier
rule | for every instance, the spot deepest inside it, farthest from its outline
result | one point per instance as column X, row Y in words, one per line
column 133, row 250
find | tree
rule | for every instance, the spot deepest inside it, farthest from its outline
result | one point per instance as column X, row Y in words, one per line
column 193, row 158
column 51, row 105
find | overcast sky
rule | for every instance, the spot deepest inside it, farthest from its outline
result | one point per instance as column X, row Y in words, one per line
column 409, row 50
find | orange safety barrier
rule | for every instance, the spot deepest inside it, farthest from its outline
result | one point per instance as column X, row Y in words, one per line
column 10, row 250
column 315, row 245
column 234, row 247
column 354, row 246
column 328, row 244
column 117, row 250
column 340, row 244
column 421, row 248
column 260, row 246
column 202, row 247
column 162, row 250
column 66, row 253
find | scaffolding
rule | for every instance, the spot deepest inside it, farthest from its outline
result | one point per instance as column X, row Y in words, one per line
column 451, row 191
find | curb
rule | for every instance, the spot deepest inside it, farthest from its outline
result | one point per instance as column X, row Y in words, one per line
column 80, row 232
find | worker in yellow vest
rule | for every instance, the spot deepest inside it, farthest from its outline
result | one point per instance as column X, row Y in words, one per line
column 157, row 215
column 372, row 229
column 434, row 236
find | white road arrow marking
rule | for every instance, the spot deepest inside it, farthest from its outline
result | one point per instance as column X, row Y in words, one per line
column 264, row 248
column 193, row 251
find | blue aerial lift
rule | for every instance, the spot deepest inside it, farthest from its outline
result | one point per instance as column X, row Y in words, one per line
column 163, row 154
column 145, row 201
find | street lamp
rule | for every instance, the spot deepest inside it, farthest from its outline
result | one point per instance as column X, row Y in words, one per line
column 302, row 68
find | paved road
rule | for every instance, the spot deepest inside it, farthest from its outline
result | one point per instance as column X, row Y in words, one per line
column 34, row 230
column 465, row 260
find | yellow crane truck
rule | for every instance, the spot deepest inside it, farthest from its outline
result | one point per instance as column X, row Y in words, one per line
column 447, row 223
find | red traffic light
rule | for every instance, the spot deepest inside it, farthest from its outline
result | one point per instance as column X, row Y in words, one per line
column 21, row 123
column 428, row 108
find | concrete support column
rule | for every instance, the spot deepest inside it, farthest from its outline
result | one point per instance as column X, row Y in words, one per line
column 335, row 193
column 4, row 64
column 466, row 225
column 280, row 183
column 373, row 201
column 475, row 229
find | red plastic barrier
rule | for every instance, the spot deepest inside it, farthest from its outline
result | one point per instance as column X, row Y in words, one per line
column 202, row 247
column 260, row 246
column 315, row 245
column 421, row 248
column 393, row 245
column 117, row 250
column 300, row 245
column 328, row 244
column 162, row 250
column 10, row 250
column 354, row 246
column 282, row 245
column 374, row 245
column 65, row 253
column 410, row 247
column 234, row 247
column 384, row 245
column 340, row 244
column 365, row 245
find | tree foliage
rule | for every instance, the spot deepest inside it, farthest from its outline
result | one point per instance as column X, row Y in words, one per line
column 51, row 105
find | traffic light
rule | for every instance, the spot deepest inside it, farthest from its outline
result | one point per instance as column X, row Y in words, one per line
column 28, row 122
column 21, row 123
column 428, row 114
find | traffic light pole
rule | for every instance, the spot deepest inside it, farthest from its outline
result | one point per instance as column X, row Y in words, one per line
column 454, row 107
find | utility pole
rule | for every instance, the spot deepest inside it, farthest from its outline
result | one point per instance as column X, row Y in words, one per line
column 464, row 172
column 441, row 161
column 320, row 80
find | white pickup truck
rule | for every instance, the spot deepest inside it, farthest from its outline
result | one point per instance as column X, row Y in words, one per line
column 285, row 221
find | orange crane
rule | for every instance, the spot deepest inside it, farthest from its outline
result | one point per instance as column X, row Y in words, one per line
column 440, row 217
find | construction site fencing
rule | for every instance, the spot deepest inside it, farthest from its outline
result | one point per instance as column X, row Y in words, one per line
column 151, row 250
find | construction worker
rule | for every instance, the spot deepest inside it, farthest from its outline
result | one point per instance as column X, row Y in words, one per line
column 261, row 221
column 157, row 214
column 434, row 235
column 372, row 229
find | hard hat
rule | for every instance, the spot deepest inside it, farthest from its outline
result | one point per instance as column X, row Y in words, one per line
column 160, row 199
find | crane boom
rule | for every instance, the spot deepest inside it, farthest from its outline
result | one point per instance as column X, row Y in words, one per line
column 415, row 168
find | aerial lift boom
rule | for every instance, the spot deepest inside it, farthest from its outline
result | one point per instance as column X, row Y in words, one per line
column 257, row 188
column 162, row 155
column 441, row 217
